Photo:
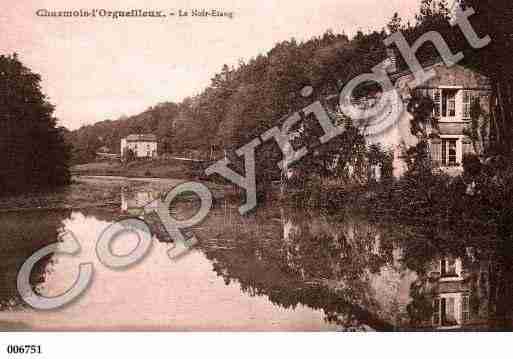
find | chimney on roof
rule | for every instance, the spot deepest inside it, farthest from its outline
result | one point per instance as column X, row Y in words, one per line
column 392, row 58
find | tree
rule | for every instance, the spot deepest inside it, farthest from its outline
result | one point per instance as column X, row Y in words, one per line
column 395, row 24
column 422, row 123
column 34, row 153
column 495, row 18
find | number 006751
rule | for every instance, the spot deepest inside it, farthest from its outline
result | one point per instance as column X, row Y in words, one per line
column 23, row 349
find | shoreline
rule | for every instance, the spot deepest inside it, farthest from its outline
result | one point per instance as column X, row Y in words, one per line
column 96, row 191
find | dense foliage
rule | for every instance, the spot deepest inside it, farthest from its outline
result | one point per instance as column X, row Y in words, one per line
column 495, row 18
column 243, row 102
column 34, row 154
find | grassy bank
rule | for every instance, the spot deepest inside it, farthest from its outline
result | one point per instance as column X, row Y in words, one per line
column 162, row 168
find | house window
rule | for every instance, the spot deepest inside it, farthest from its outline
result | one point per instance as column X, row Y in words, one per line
column 448, row 103
column 465, row 308
column 435, row 95
column 444, row 102
column 449, row 152
column 444, row 312
column 467, row 103
column 448, row 268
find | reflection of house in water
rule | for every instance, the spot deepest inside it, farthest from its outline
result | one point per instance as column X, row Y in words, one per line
column 455, row 290
column 142, row 204
column 460, row 291
column 133, row 202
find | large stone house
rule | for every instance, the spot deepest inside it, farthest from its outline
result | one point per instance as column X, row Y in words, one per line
column 453, row 91
column 143, row 145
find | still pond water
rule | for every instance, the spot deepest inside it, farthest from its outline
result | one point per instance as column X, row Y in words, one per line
column 278, row 269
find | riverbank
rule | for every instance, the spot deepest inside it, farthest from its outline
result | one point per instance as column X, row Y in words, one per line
column 93, row 192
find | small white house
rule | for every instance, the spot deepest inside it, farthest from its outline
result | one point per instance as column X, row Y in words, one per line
column 143, row 146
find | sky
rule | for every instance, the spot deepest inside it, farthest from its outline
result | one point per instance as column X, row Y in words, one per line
column 99, row 68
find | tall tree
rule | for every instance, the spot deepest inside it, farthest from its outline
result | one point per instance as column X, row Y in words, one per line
column 495, row 18
column 34, row 154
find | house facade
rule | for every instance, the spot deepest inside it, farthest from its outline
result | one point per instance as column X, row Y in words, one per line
column 454, row 91
column 143, row 145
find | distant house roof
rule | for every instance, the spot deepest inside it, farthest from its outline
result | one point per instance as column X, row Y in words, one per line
column 142, row 137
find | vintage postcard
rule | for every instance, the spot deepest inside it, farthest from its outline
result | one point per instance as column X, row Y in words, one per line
column 226, row 166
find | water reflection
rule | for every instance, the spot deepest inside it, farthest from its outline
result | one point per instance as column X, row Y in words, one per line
column 22, row 234
column 156, row 294
column 133, row 202
column 453, row 293
column 278, row 269
column 341, row 267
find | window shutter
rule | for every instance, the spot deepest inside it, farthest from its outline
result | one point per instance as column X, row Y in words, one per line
column 435, row 95
column 436, row 312
column 465, row 308
column 444, row 103
column 458, row 100
column 436, row 151
column 443, row 311
column 466, row 104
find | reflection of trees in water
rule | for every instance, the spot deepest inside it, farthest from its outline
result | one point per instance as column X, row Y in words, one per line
column 22, row 234
column 303, row 259
column 387, row 276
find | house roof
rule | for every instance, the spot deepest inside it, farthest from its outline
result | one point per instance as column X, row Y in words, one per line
column 142, row 137
column 427, row 65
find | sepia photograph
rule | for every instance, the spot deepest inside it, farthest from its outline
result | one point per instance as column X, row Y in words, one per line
column 257, row 166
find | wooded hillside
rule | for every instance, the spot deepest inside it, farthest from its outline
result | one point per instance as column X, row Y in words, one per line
column 243, row 101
